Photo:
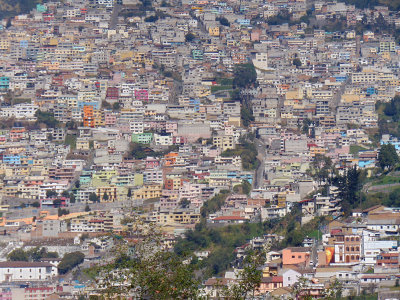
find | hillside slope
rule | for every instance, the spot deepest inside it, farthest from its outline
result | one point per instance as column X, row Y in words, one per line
column 9, row 8
column 393, row 4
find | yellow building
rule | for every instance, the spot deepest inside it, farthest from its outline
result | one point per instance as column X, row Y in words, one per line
column 181, row 217
column 213, row 31
column 224, row 142
column 82, row 144
column 148, row 192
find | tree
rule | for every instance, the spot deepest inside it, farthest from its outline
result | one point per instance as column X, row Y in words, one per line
column 18, row 255
column 65, row 194
column 189, row 37
column 93, row 198
column 388, row 157
column 116, row 106
column 151, row 19
column 246, row 187
column 87, row 208
column 77, row 184
column 245, row 75
column 246, row 114
column 105, row 197
column 349, row 186
column 72, row 198
column 334, row 291
column 224, row 21
column 249, row 278
column 62, row 212
column 184, row 203
column 70, row 261
column 36, row 204
column 51, row 194
column 129, row 194
column 37, row 253
column 296, row 62
column 321, row 167
column 152, row 271
column 46, row 118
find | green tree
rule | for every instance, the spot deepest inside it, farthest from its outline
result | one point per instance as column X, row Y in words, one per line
column 18, row 255
column 94, row 198
column 224, row 21
column 322, row 167
column 249, row 277
column 62, row 212
column 184, row 203
column 349, row 185
column 70, row 261
column 246, row 114
column 189, row 37
column 245, row 75
column 51, row 193
column 87, row 208
column 334, row 291
column 116, row 106
column 129, row 194
column 37, row 253
column 151, row 19
column 296, row 62
column 72, row 198
column 105, row 197
column 388, row 157
column 46, row 118
column 153, row 273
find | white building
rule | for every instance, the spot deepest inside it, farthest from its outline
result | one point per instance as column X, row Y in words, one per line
column 26, row 271
column 19, row 111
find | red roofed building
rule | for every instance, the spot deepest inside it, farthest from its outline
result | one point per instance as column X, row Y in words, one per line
column 269, row 284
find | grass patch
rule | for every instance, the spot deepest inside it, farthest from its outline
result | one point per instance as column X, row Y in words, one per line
column 225, row 81
column 316, row 234
column 387, row 180
column 71, row 141
column 216, row 88
column 355, row 149
column 363, row 297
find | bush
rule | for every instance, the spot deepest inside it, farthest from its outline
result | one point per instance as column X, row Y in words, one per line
column 70, row 261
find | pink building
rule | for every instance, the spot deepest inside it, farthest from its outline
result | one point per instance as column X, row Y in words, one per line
column 171, row 127
column 152, row 162
column 110, row 118
column 142, row 95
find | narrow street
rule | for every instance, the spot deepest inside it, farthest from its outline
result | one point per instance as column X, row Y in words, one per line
column 259, row 173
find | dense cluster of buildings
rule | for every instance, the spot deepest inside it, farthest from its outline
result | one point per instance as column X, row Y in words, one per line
column 111, row 105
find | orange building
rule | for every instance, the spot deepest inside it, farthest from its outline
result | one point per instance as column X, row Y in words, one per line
column 296, row 255
column 170, row 158
column 88, row 116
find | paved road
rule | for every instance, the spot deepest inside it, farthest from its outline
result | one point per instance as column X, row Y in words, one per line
column 259, row 173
